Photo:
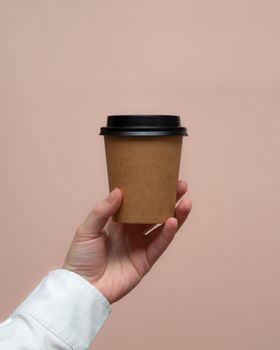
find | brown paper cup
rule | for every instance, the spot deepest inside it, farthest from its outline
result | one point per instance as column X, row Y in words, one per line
column 146, row 169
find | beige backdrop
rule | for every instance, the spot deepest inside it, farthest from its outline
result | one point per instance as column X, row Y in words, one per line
column 64, row 66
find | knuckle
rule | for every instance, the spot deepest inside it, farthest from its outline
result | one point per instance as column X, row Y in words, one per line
column 80, row 229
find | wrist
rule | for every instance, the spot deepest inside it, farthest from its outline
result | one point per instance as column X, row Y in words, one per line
column 91, row 280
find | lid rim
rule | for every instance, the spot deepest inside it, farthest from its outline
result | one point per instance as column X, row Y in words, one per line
column 144, row 133
column 143, row 125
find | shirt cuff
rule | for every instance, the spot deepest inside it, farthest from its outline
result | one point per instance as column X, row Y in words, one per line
column 68, row 306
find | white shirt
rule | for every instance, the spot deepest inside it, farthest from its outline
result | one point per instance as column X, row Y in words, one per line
column 64, row 312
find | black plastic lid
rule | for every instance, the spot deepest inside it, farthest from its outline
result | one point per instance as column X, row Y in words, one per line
column 143, row 125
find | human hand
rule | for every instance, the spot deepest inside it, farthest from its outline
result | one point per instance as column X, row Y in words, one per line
column 115, row 256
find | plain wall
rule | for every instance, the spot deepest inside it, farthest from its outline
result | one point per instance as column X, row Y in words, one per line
column 64, row 66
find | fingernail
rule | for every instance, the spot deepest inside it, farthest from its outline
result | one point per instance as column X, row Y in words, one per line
column 112, row 196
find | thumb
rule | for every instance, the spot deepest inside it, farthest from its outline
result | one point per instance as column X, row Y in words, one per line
column 99, row 215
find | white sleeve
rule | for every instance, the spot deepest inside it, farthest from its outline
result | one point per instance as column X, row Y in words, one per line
column 64, row 312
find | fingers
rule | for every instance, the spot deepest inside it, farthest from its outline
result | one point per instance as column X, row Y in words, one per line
column 182, row 211
column 160, row 238
column 161, row 242
column 182, row 188
column 97, row 218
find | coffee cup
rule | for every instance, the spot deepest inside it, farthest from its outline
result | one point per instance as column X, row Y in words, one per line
column 143, row 154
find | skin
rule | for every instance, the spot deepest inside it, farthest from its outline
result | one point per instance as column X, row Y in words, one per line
column 113, row 256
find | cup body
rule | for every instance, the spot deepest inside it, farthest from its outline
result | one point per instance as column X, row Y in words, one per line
column 146, row 169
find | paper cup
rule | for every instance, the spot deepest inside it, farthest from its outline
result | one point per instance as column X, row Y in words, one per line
column 143, row 156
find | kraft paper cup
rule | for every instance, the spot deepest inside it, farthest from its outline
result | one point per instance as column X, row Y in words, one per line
column 143, row 156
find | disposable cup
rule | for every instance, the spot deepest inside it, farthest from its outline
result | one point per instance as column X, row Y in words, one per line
column 143, row 154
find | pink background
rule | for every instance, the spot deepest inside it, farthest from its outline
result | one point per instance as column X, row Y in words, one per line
column 66, row 65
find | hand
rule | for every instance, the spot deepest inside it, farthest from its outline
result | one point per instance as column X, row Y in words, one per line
column 114, row 256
